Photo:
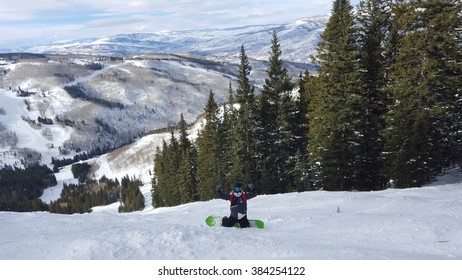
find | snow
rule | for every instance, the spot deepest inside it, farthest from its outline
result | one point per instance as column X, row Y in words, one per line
column 43, row 139
column 418, row 223
column 64, row 176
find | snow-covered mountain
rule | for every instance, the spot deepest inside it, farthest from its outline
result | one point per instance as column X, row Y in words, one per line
column 298, row 41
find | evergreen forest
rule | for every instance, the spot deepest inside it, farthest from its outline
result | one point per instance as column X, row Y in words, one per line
column 82, row 197
column 384, row 110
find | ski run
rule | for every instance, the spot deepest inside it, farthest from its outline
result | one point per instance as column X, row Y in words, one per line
column 394, row 224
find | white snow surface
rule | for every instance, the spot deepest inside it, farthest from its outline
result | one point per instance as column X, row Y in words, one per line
column 419, row 223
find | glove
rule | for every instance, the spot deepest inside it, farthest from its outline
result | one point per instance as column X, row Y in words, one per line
column 251, row 187
column 218, row 188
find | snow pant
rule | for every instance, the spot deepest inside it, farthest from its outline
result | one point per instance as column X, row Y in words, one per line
column 231, row 221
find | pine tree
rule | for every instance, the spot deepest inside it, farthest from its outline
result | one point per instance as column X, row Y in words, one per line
column 274, row 135
column 425, row 82
column 187, row 166
column 243, row 152
column 307, row 85
column 245, row 91
column 184, row 142
column 210, row 164
column 187, row 176
column 131, row 198
column 167, row 164
column 154, row 182
column 456, row 108
column 289, row 142
column 445, row 31
column 225, row 138
column 335, row 109
column 301, row 118
column 173, row 160
column 373, row 23
column 159, row 182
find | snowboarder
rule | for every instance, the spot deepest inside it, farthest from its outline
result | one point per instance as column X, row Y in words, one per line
column 238, row 199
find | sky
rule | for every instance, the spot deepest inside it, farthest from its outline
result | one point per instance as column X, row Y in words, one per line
column 30, row 22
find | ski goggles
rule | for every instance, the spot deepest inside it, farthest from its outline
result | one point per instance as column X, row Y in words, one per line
column 237, row 190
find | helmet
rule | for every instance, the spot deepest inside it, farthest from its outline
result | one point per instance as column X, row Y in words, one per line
column 237, row 189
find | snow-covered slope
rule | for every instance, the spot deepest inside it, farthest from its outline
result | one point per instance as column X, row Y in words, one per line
column 123, row 99
column 424, row 223
column 298, row 41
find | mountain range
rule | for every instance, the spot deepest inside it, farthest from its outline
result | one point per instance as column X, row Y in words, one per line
column 298, row 41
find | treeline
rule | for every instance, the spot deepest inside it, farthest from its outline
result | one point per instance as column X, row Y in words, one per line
column 20, row 189
column 58, row 163
column 385, row 113
column 385, row 110
column 46, row 121
column 77, row 91
column 81, row 198
column 175, row 170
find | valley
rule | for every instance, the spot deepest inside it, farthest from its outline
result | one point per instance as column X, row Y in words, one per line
column 88, row 100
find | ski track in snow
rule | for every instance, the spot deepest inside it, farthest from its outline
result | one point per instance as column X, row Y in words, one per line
column 424, row 223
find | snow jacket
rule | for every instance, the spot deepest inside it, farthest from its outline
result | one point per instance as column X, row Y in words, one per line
column 238, row 205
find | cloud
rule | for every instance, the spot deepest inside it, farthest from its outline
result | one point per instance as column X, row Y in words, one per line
column 113, row 22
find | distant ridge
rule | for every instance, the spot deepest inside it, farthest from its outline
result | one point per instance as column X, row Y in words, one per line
column 298, row 41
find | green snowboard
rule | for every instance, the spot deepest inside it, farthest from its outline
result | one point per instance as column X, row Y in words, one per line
column 214, row 221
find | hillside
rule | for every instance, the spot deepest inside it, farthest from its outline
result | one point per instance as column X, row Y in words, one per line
column 424, row 223
column 62, row 105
